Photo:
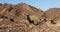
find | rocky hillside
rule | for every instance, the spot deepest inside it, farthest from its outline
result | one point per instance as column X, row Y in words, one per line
column 26, row 18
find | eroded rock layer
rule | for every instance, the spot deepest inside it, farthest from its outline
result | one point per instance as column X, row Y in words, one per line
column 26, row 18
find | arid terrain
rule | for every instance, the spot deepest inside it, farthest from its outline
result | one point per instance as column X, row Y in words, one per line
column 26, row 18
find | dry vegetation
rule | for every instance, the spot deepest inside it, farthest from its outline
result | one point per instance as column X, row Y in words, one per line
column 26, row 18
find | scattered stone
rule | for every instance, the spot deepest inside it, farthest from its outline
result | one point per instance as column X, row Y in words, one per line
column 26, row 18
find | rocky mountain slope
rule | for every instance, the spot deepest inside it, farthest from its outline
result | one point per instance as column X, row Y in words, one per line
column 26, row 18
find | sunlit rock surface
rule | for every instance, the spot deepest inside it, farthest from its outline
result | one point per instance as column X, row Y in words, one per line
column 26, row 18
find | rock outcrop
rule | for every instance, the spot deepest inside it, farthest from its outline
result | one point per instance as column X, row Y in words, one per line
column 26, row 18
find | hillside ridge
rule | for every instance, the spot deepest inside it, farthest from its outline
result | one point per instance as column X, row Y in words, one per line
column 26, row 18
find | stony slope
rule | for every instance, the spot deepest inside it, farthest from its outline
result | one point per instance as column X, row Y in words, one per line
column 18, row 18
column 26, row 18
column 53, row 12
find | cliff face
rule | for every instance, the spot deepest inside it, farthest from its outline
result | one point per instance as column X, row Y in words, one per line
column 26, row 18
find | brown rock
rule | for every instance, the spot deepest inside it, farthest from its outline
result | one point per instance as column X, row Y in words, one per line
column 26, row 18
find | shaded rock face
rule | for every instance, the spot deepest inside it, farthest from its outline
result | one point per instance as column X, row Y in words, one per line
column 26, row 18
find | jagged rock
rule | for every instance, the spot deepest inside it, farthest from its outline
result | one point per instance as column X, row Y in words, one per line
column 26, row 18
